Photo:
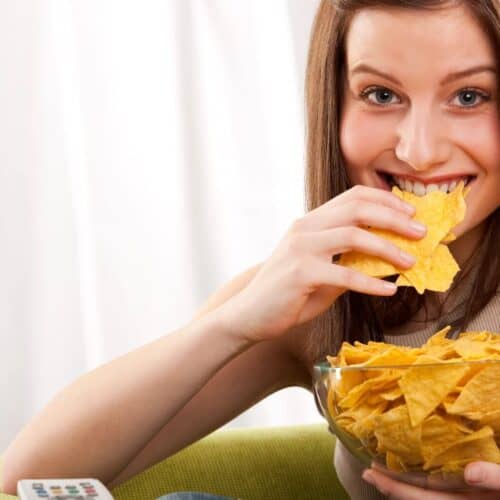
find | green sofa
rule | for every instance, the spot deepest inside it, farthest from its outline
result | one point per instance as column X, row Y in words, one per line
column 268, row 463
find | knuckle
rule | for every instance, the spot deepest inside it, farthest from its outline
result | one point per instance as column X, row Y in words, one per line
column 353, row 236
column 294, row 243
column 357, row 189
column 360, row 212
column 385, row 249
column 358, row 280
column 299, row 270
column 394, row 250
column 297, row 225
column 344, row 274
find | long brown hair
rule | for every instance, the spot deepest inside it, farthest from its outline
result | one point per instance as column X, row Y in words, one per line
column 356, row 316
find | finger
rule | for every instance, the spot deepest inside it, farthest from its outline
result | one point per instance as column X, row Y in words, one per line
column 401, row 491
column 376, row 195
column 483, row 475
column 346, row 239
column 320, row 274
column 366, row 213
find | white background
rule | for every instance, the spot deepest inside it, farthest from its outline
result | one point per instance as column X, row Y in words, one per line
column 149, row 151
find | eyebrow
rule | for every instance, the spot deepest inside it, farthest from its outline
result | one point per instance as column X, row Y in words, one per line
column 364, row 68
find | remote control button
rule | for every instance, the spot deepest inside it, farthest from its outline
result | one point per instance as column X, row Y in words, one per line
column 37, row 485
column 68, row 497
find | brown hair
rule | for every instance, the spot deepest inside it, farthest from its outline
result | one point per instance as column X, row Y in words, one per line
column 356, row 316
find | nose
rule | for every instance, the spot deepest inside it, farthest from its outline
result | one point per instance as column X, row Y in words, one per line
column 421, row 140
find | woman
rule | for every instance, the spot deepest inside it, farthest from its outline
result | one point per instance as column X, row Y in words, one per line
column 385, row 104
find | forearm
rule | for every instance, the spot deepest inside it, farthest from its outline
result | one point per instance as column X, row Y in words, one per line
column 96, row 425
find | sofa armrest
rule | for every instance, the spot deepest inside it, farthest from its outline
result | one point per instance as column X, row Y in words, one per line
column 261, row 463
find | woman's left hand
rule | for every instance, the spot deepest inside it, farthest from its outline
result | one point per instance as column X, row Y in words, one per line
column 484, row 476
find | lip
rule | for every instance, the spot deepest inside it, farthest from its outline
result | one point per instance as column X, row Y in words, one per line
column 428, row 180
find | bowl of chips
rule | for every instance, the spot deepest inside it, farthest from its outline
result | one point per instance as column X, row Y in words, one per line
column 420, row 415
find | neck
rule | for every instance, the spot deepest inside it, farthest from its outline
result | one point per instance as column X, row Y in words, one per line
column 463, row 247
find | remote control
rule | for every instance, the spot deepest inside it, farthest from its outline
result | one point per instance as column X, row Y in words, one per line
column 62, row 489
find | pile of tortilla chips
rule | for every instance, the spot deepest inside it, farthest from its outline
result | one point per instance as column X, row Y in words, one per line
column 435, row 267
column 436, row 415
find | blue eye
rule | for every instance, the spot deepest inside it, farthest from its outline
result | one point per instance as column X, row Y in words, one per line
column 470, row 97
column 380, row 92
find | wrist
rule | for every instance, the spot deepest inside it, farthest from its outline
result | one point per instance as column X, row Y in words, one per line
column 221, row 323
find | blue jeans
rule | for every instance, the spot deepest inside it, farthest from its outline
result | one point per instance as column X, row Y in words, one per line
column 193, row 495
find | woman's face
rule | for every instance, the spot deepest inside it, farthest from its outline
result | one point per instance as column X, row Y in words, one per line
column 419, row 123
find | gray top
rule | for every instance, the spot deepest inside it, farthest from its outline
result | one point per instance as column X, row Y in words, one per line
column 348, row 469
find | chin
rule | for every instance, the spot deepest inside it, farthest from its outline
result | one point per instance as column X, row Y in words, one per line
column 468, row 235
column 460, row 230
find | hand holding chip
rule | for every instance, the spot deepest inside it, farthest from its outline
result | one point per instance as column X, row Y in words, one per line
column 301, row 278
column 435, row 267
column 484, row 477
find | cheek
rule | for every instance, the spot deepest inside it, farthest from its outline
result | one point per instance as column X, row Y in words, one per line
column 361, row 141
column 481, row 142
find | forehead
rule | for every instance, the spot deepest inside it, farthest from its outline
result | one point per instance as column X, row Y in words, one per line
column 449, row 37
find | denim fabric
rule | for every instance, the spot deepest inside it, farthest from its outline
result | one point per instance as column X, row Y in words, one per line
column 192, row 495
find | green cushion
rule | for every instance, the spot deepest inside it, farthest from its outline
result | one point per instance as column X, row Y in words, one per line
column 274, row 463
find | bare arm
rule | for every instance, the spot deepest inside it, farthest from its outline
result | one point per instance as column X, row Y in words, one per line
column 256, row 373
column 121, row 417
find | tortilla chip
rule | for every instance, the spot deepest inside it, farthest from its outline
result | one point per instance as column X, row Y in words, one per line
column 435, row 267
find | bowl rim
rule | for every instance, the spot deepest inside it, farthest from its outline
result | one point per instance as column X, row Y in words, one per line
column 326, row 366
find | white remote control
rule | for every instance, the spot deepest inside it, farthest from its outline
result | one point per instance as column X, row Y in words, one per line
column 62, row 489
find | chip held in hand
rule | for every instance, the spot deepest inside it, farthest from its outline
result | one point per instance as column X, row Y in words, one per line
column 435, row 266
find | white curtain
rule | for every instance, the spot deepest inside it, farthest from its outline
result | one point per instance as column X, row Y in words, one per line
column 149, row 151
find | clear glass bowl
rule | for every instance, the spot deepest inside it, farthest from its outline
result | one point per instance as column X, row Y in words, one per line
column 328, row 382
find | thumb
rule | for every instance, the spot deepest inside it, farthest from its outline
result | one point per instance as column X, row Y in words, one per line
column 483, row 475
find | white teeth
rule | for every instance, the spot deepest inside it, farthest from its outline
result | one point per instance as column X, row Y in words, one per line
column 420, row 189
column 431, row 188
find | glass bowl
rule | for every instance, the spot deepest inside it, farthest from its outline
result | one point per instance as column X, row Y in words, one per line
column 374, row 422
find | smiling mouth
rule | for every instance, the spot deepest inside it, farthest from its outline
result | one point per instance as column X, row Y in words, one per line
column 420, row 188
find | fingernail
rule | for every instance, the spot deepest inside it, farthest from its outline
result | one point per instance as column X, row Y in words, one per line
column 417, row 227
column 389, row 287
column 368, row 477
column 474, row 473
